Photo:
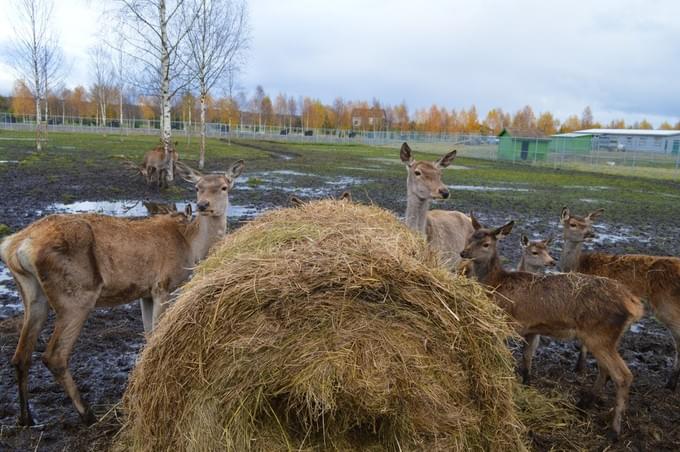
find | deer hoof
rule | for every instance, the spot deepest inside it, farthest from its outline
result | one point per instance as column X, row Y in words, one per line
column 612, row 436
column 88, row 418
column 26, row 421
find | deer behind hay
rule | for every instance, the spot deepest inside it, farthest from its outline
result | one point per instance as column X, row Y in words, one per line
column 535, row 257
column 445, row 230
column 653, row 278
column 596, row 310
column 75, row 263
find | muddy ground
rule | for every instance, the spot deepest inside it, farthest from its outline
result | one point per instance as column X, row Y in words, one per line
column 111, row 338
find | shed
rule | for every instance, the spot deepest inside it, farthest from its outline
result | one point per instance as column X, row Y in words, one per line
column 638, row 140
column 522, row 145
column 571, row 143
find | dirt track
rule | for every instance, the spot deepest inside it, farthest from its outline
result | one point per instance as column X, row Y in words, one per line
column 111, row 338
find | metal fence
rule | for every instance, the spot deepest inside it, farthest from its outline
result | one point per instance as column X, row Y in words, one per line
column 554, row 152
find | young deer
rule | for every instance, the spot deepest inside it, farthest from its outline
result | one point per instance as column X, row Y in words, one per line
column 653, row 278
column 535, row 257
column 75, row 263
column 155, row 165
column 445, row 230
column 596, row 310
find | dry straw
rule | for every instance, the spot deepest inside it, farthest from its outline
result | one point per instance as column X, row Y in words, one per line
column 326, row 327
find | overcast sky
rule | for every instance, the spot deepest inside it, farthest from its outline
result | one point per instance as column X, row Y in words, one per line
column 620, row 57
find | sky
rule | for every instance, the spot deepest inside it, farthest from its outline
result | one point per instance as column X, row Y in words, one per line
column 621, row 57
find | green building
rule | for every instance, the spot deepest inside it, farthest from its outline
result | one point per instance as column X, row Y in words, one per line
column 523, row 145
column 571, row 143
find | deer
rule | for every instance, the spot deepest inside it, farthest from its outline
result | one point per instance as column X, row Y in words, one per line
column 656, row 279
column 535, row 258
column 294, row 201
column 446, row 231
column 161, row 208
column 74, row 263
column 155, row 165
column 594, row 309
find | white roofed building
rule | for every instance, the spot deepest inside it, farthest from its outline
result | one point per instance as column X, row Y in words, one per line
column 643, row 140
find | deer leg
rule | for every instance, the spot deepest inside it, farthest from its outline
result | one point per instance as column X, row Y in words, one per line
column 160, row 304
column 581, row 363
column 610, row 360
column 35, row 314
column 532, row 341
column 146, row 304
column 67, row 328
column 675, row 373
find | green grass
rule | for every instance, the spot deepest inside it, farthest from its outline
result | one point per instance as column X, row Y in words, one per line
column 544, row 188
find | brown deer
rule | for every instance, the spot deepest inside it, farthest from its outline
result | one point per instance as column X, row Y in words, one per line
column 294, row 201
column 75, row 263
column 154, row 166
column 535, row 257
column 655, row 279
column 596, row 310
column 160, row 208
column 445, row 230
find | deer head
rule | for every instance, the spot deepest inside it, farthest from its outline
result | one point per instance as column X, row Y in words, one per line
column 424, row 179
column 536, row 253
column 481, row 245
column 212, row 190
column 578, row 229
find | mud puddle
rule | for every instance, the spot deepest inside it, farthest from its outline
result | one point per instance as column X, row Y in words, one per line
column 135, row 208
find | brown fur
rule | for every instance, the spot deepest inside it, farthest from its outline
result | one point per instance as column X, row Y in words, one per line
column 655, row 279
column 446, row 231
column 154, row 165
column 596, row 310
column 74, row 263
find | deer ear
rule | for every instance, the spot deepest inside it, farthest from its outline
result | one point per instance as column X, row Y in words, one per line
column 446, row 160
column 524, row 241
column 475, row 224
column 405, row 154
column 564, row 216
column 188, row 173
column 596, row 213
column 503, row 231
column 236, row 169
column 346, row 196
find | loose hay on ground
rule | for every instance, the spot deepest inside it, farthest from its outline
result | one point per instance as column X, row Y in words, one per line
column 328, row 326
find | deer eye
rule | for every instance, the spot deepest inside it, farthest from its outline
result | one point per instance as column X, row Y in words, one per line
column 573, row 225
column 417, row 173
column 535, row 253
column 486, row 245
column 224, row 188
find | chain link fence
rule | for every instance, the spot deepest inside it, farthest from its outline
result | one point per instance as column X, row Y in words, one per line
column 569, row 151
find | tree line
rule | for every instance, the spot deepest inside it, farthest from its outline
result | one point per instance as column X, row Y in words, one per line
column 303, row 112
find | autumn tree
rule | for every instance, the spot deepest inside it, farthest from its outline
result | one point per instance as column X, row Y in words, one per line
column 547, row 124
column 281, row 108
column 401, row 116
column 524, row 119
column 617, row 124
column 587, row 118
column 267, row 110
column 644, row 124
column 665, row 126
column 292, row 110
column 217, row 42
column 153, row 33
column 35, row 54
column 496, row 121
column 102, row 90
column 571, row 124
column 22, row 99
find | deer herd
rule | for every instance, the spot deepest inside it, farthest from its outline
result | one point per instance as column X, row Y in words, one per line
column 73, row 263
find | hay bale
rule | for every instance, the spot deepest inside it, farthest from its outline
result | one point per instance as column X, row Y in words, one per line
column 327, row 326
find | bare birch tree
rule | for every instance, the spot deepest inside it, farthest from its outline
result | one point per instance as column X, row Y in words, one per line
column 152, row 33
column 103, row 75
column 217, row 42
column 35, row 54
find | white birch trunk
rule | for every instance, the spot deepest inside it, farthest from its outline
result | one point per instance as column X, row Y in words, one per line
column 201, row 158
column 166, row 131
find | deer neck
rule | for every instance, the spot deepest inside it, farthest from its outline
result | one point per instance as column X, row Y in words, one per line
column 490, row 272
column 203, row 233
column 571, row 256
column 524, row 267
column 416, row 212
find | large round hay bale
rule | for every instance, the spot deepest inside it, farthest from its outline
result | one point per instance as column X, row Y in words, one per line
column 329, row 326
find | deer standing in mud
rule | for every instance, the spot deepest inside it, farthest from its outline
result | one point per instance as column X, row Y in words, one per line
column 535, row 258
column 155, row 165
column 445, row 230
column 596, row 310
column 75, row 263
column 655, row 279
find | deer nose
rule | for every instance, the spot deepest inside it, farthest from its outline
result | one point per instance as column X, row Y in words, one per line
column 551, row 263
column 590, row 235
column 464, row 254
column 203, row 206
column 444, row 192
